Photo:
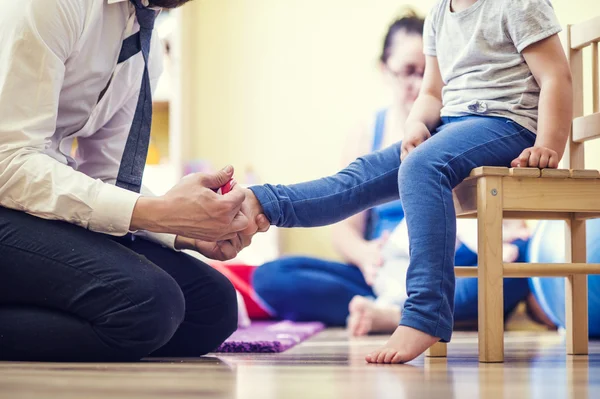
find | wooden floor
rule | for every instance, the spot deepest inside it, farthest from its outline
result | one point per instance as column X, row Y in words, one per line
column 327, row 366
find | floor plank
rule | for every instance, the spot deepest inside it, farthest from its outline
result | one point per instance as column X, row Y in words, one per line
column 328, row 366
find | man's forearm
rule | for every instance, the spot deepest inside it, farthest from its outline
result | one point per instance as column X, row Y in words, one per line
column 369, row 181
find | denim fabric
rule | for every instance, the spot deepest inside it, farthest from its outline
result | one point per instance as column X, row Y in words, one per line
column 301, row 288
column 424, row 181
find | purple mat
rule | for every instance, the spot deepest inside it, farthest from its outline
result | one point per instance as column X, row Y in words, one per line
column 269, row 337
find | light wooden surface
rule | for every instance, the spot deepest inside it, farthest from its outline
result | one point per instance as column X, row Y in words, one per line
column 440, row 349
column 490, row 270
column 586, row 128
column 524, row 172
column 585, row 174
column 574, row 157
column 576, row 290
column 595, row 77
column 584, row 33
column 556, row 195
column 328, row 366
column 536, row 269
column 556, row 173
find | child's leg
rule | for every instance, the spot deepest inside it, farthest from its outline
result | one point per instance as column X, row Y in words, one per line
column 426, row 180
column 369, row 181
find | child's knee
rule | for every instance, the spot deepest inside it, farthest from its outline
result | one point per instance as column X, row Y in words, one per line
column 416, row 169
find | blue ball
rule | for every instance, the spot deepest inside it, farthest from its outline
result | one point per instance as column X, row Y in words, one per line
column 548, row 246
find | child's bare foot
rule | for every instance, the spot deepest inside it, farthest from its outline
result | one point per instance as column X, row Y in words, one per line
column 403, row 346
column 360, row 320
column 366, row 316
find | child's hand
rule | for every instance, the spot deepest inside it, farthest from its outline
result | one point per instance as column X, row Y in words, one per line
column 415, row 135
column 536, row 157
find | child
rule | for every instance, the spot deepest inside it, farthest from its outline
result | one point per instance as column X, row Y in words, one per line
column 497, row 84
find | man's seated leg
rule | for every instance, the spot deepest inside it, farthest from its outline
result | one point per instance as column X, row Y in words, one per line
column 210, row 301
column 68, row 294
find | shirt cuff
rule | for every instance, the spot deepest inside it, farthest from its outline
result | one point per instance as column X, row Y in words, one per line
column 269, row 203
column 113, row 210
column 164, row 239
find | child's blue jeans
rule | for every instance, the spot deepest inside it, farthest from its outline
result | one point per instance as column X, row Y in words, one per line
column 424, row 181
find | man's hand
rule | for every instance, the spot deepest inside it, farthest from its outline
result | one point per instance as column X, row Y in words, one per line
column 221, row 250
column 193, row 209
column 415, row 135
column 537, row 157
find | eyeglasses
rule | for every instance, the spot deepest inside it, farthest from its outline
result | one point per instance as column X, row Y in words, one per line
column 407, row 72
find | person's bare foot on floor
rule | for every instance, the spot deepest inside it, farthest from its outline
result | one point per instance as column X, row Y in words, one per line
column 403, row 346
column 360, row 320
column 367, row 316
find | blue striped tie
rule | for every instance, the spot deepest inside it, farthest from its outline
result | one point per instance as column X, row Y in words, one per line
column 133, row 161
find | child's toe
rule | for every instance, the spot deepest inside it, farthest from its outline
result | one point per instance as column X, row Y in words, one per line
column 389, row 355
column 382, row 355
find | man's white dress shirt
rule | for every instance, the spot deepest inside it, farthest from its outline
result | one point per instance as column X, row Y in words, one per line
column 59, row 80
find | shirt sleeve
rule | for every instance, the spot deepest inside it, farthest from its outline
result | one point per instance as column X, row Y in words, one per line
column 529, row 21
column 36, row 42
column 429, row 42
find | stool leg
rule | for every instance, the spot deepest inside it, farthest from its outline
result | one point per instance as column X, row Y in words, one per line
column 576, row 291
column 439, row 349
column 490, row 270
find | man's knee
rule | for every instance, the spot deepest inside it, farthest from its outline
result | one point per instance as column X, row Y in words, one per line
column 149, row 317
column 214, row 312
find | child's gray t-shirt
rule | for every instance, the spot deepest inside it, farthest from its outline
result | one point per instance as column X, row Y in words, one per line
column 479, row 54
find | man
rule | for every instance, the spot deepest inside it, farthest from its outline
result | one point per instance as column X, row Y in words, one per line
column 88, row 267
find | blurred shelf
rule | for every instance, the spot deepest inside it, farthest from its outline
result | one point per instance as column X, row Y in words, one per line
column 160, row 106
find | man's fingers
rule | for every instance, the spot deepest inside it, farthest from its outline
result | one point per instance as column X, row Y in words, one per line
column 246, row 240
column 235, row 198
column 217, row 180
column 228, row 250
column 237, row 243
column 227, row 236
column 240, row 222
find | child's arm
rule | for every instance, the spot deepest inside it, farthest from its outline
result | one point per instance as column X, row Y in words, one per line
column 549, row 66
column 425, row 114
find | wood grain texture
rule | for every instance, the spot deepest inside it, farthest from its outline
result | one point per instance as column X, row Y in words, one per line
column 576, row 297
column 490, row 273
column 330, row 365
